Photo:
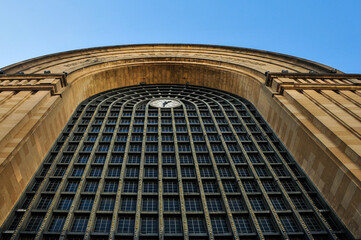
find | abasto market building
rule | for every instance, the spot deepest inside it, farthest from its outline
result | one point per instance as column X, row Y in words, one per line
column 171, row 141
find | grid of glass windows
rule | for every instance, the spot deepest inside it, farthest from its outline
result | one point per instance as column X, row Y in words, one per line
column 130, row 187
column 188, row 172
column 125, row 224
column 171, row 204
column 190, row 187
column 34, row 223
column 278, row 203
column 44, row 202
column 114, row 172
column 311, row 222
column 150, row 187
column 107, row 204
column 102, row 224
column 170, row 187
column 57, row 223
column 214, row 204
column 95, row 171
column 80, row 223
column 149, row 225
column 289, row 223
column 243, row 224
column 266, row 224
column 91, row 186
column 150, row 205
column 65, row 203
column 187, row 158
column 219, row 225
column 111, row 186
column 72, row 186
column 172, row 225
column 235, row 203
column 86, row 203
column 169, row 172
column 196, row 225
column 193, row 204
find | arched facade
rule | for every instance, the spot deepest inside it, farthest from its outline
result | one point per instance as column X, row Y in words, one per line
column 314, row 111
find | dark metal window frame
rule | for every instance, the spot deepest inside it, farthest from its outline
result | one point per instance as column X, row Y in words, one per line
column 225, row 174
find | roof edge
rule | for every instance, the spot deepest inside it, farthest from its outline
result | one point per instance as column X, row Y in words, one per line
column 313, row 64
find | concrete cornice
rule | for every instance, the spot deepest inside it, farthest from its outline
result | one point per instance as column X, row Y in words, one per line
column 257, row 60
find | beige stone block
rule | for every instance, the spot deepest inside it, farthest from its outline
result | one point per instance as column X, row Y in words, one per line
column 319, row 142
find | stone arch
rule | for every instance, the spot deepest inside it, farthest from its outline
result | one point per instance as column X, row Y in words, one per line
column 32, row 120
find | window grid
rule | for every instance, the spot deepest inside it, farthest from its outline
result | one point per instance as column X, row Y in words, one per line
column 149, row 225
column 219, row 225
column 57, row 223
column 235, row 204
column 289, row 223
column 196, row 225
column 171, row 203
column 65, row 203
column 150, row 187
column 150, row 205
column 170, row 187
column 266, row 224
column 86, row 203
column 102, row 224
column 214, row 205
column 126, row 225
column 128, row 204
column 193, row 204
column 91, row 186
column 44, row 202
column 172, row 225
column 243, row 224
column 34, row 223
column 107, row 204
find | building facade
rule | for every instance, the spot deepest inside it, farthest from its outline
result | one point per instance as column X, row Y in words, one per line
column 179, row 141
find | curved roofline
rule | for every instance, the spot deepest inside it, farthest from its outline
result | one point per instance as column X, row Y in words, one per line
column 314, row 64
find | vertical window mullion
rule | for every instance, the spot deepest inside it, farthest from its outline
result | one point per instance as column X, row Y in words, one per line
column 215, row 169
column 179, row 176
column 307, row 232
column 35, row 199
column 99, row 184
column 68, row 171
column 121, row 178
column 140, row 180
column 253, row 216
column 199, row 178
column 160, row 176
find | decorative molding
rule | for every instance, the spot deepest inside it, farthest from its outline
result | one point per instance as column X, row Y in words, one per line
column 279, row 82
column 54, row 83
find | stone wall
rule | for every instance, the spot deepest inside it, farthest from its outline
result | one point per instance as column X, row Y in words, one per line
column 315, row 115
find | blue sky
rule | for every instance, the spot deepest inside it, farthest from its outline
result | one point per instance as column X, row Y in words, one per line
column 323, row 31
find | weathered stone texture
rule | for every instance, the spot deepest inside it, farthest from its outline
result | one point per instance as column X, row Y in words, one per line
column 316, row 116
